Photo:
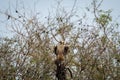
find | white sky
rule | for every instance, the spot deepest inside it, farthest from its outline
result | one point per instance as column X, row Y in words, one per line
column 43, row 6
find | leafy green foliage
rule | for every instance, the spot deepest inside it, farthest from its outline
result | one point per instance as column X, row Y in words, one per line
column 104, row 19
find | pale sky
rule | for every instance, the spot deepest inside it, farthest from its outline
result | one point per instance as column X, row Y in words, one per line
column 43, row 6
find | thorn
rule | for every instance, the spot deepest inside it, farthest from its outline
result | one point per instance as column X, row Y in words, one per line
column 16, row 11
column 8, row 17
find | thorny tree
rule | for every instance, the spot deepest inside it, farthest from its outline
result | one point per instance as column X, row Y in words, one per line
column 94, row 48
